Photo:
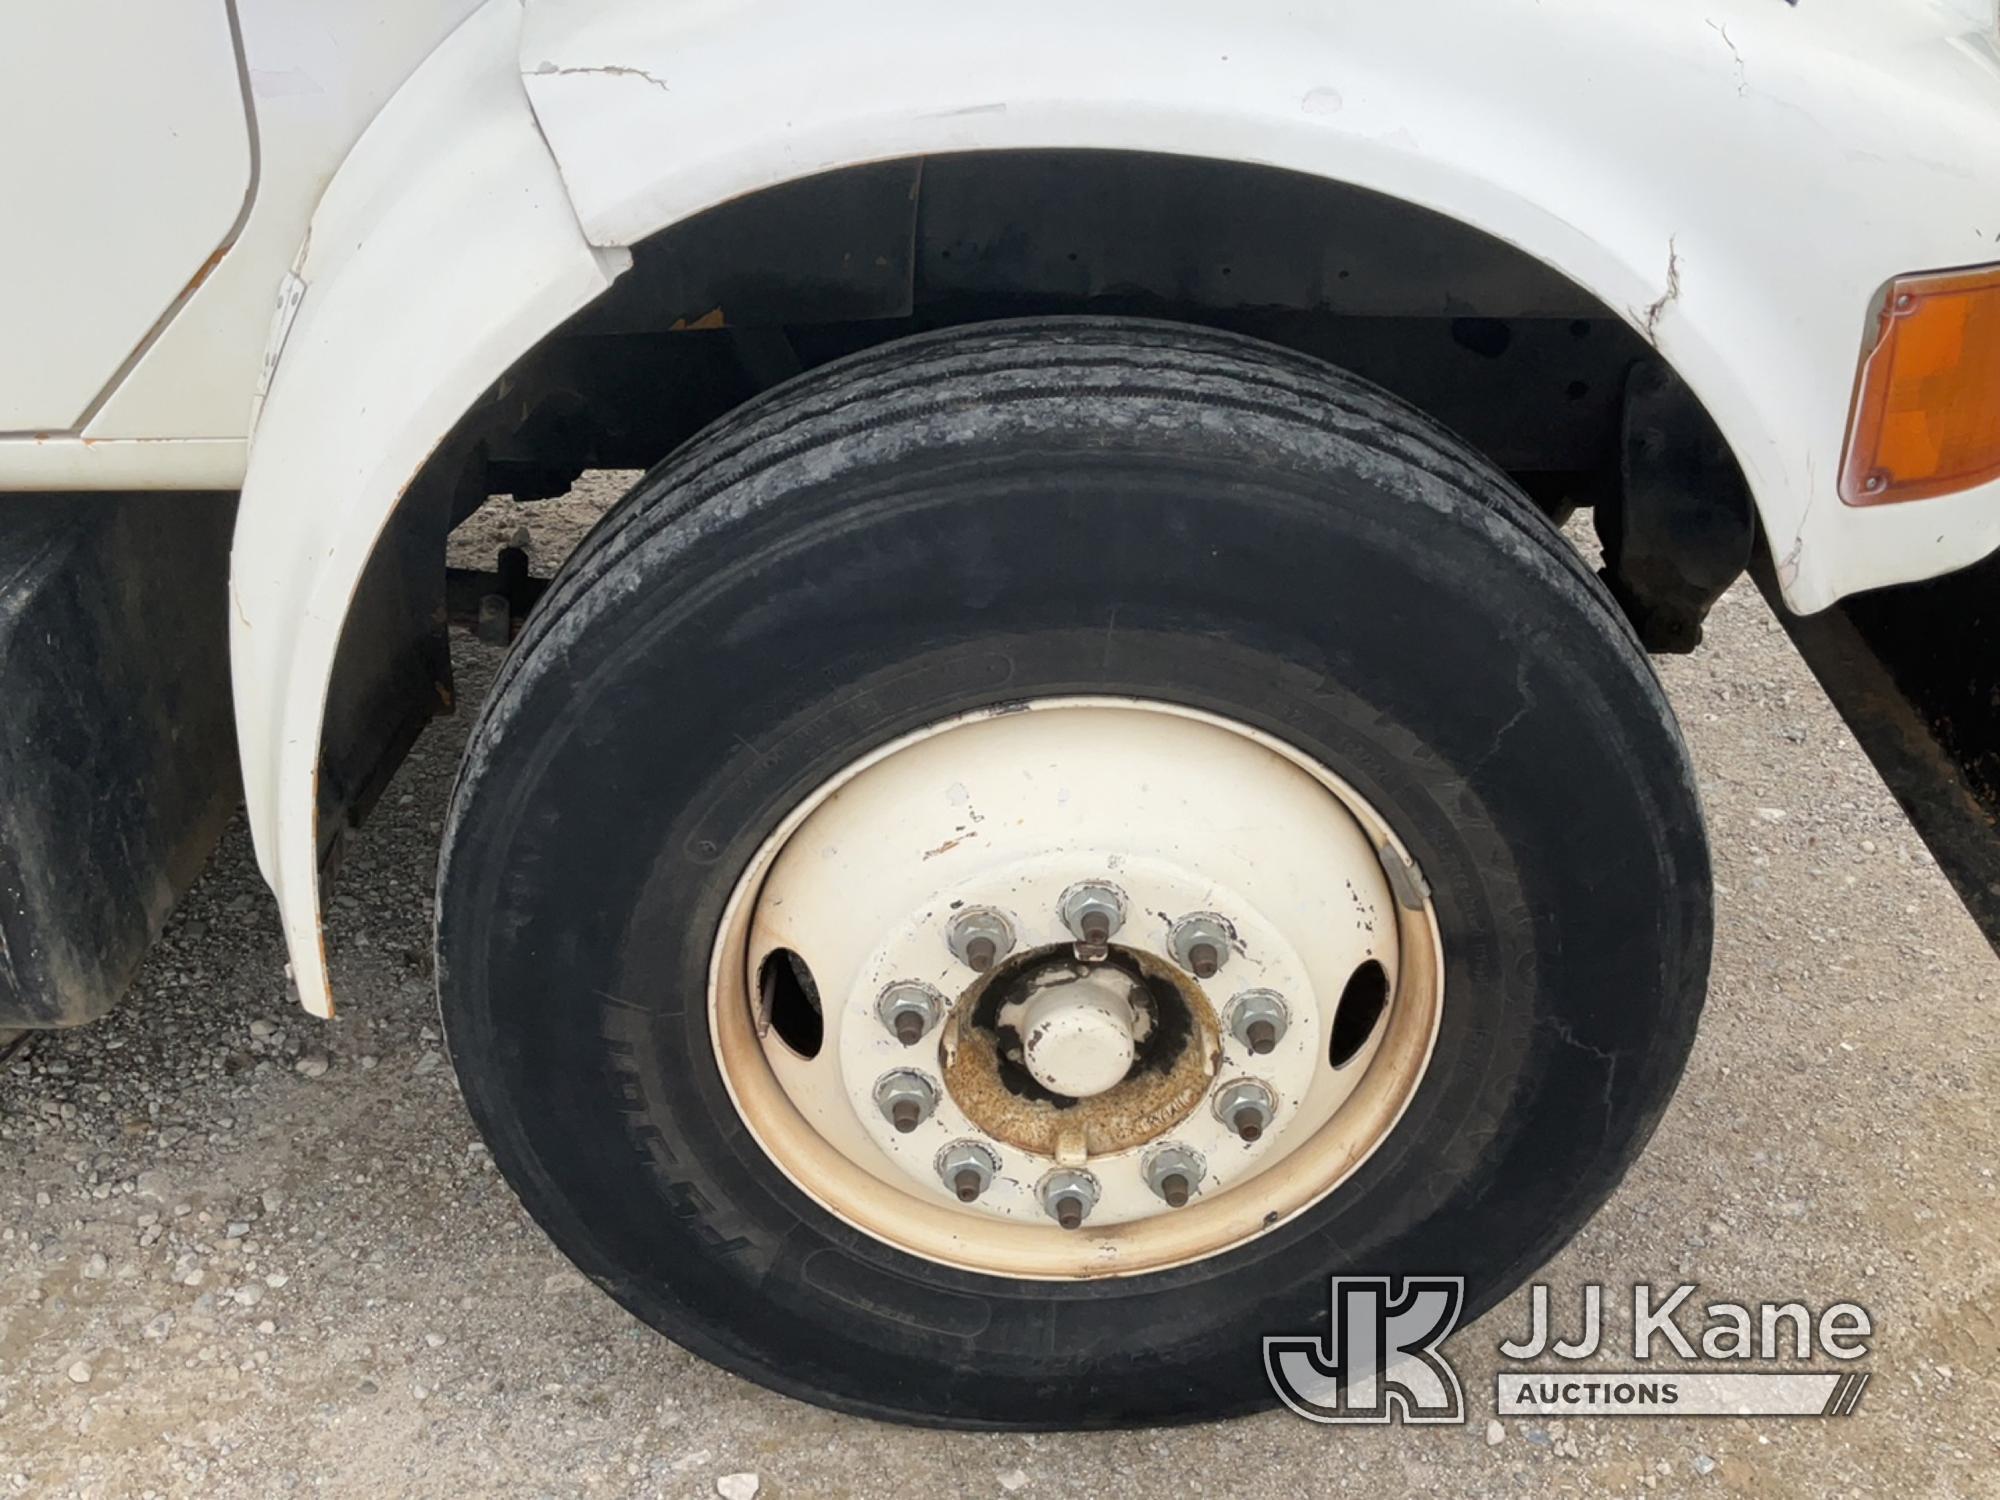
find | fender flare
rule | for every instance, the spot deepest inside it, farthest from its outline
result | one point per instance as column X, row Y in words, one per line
column 1540, row 124
column 443, row 250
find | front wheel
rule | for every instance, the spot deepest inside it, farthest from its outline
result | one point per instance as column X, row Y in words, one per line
column 1004, row 864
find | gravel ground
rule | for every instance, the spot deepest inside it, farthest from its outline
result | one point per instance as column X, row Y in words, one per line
column 245, row 1253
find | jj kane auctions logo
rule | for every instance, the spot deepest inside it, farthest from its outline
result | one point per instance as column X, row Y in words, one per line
column 1380, row 1359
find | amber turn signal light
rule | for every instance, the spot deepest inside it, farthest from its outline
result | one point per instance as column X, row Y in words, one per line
column 1927, row 402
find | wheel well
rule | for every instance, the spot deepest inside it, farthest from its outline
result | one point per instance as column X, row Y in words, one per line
column 1526, row 366
column 1520, row 361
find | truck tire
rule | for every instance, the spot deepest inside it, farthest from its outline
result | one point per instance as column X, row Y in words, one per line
column 969, row 720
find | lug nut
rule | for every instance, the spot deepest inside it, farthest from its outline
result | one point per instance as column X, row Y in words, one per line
column 968, row 1169
column 1068, row 1196
column 1258, row 1019
column 1092, row 910
column 909, row 1010
column 1173, row 1172
column 1246, row 1107
column 980, row 937
column 1200, row 943
column 906, row 1099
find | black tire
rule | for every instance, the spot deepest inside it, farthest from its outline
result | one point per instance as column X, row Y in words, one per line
column 1043, row 508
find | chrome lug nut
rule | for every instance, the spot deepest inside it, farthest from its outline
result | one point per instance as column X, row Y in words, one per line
column 909, row 1010
column 1173, row 1172
column 1258, row 1019
column 905, row 1098
column 968, row 1169
column 1200, row 943
column 1246, row 1107
column 1092, row 910
column 1068, row 1196
column 980, row 937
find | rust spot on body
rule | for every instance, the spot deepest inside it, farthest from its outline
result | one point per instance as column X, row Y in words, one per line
column 203, row 271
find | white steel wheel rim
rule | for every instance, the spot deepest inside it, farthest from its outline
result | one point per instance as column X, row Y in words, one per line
column 1006, row 809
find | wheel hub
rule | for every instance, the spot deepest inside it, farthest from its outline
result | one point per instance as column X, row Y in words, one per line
column 1076, row 972
column 1079, row 1027
column 1079, row 1019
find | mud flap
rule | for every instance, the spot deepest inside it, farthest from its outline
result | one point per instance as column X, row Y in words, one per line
column 117, row 757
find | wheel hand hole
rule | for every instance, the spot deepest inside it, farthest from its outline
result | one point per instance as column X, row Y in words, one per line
column 790, row 997
column 1361, row 1005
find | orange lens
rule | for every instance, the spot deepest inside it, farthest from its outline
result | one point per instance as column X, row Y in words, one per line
column 1927, row 405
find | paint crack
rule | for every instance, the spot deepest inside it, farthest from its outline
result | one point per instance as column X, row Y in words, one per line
column 1650, row 319
column 615, row 70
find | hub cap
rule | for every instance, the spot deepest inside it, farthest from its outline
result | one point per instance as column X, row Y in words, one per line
column 1078, row 1027
column 1077, row 970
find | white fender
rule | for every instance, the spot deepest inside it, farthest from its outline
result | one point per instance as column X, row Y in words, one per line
column 443, row 250
column 1737, row 178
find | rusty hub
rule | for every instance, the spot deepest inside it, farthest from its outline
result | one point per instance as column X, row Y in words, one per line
column 1176, row 1052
